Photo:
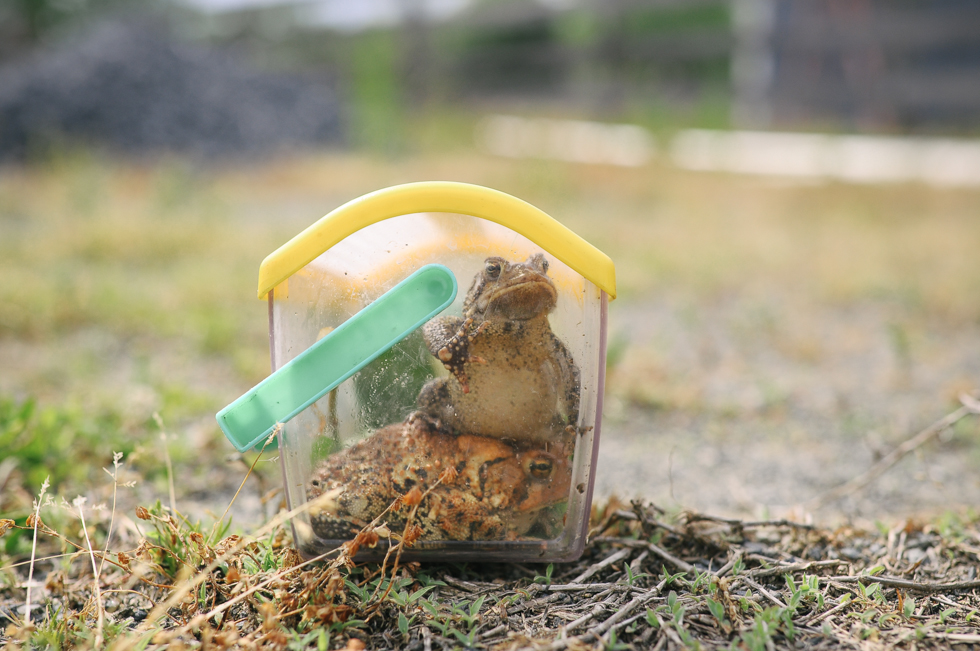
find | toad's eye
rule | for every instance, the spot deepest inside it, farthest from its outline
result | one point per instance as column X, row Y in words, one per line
column 540, row 467
column 493, row 269
column 544, row 265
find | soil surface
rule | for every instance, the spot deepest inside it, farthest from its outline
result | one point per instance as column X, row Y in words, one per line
column 757, row 404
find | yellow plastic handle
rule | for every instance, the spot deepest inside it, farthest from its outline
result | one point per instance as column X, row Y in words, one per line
column 439, row 196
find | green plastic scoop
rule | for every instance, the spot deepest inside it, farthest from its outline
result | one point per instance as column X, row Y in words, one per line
column 346, row 350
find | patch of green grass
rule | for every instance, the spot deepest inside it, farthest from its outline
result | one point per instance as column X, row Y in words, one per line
column 455, row 620
column 65, row 444
column 135, row 251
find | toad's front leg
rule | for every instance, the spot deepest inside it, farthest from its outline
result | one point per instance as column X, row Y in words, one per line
column 569, row 382
column 449, row 340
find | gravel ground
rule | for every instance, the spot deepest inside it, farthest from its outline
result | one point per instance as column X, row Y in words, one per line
column 130, row 86
column 762, row 403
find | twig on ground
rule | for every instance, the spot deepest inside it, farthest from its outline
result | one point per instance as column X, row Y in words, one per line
column 610, row 519
column 727, row 567
column 970, row 406
column 462, row 585
column 750, row 524
column 761, row 590
column 794, row 567
column 965, row 638
column 655, row 549
column 948, row 602
column 596, row 633
column 606, row 562
column 642, row 511
column 819, row 617
column 496, row 630
column 912, row 586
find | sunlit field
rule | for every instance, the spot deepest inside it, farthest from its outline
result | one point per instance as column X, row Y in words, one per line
column 168, row 251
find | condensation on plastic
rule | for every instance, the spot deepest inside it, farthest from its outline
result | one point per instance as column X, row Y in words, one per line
column 359, row 269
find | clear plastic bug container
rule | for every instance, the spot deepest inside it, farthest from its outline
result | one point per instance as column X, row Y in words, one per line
column 476, row 435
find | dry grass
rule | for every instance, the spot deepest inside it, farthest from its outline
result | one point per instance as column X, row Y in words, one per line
column 648, row 579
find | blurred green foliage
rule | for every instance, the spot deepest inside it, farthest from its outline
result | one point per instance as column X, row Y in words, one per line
column 387, row 388
column 62, row 443
column 376, row 109
column 653, row 19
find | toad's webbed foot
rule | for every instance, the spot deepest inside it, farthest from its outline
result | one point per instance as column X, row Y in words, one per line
column 453, row 349
column 428, row 417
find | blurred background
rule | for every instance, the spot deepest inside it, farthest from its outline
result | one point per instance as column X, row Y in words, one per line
column 790, row 190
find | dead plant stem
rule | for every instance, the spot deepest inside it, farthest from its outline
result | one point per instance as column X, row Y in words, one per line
column 793, row 567
column 79, row 503
column 116, row 456
column 37, row 522
column 183, row 589
column 599, row 630
column 761, row 590
column 609, row 560
column 655, row 549
column 170, row 466
column 911, row 586
column 268, row 441
column 969, row 406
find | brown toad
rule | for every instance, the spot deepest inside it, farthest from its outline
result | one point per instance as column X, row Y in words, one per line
column 510, row 376
column 500, row 492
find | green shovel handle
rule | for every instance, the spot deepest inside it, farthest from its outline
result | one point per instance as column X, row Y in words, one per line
column 346, row 350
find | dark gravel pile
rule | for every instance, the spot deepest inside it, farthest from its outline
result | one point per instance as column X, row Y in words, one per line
column 129, row 86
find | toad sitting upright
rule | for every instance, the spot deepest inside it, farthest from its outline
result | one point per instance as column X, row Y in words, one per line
column 510, row 376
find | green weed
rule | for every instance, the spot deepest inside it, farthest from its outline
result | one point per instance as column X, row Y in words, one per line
column 64, row 444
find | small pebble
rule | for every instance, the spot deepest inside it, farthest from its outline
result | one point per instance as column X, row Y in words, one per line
column 850, row 553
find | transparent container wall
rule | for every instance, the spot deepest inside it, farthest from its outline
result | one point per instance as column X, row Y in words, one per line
column 520, row 444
